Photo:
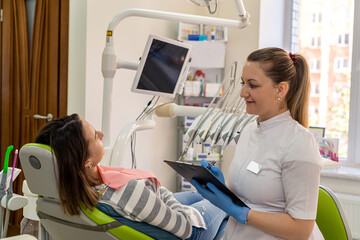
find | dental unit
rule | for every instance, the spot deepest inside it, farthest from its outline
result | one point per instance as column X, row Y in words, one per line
column 39, row 162
column 9, row 200
column 110, row 62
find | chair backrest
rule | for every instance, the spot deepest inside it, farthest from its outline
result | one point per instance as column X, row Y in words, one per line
column 40, row 170
column 330, row 216
column 39, row 166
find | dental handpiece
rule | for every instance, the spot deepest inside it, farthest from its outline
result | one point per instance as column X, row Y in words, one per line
column 226, row 119
column 238, row 119
column 238, row 109
column 217, row 133
column 217, row 116
column 249, row 119
column 194, row 132
column 222, row 109
column 211, row 123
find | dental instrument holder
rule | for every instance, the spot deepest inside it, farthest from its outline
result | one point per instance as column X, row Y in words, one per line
column 8, row 197
column 12, row 201
column 3, row 184
column 110, row 62
column 4, row 174
column 204, row 117
column 224, row 106
column 228, row 135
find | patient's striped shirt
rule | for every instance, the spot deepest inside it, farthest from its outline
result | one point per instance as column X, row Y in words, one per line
column 142, row 200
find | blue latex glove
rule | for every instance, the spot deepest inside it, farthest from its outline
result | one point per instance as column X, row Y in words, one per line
column 214, row 170
column 222, row 201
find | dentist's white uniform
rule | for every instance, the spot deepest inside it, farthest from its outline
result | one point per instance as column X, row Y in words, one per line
column 289, row 176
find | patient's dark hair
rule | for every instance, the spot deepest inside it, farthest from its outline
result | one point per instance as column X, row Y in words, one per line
column 65, row 136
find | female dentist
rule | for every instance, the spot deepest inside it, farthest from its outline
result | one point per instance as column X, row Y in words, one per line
column 276, row 166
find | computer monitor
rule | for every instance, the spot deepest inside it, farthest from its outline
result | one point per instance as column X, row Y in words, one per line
column 163, row 67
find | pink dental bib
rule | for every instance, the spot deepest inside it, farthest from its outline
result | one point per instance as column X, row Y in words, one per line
column 116, row 177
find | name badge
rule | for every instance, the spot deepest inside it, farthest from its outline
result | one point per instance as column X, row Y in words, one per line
column 254, row 167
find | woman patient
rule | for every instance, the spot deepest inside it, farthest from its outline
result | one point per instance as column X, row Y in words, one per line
column 133, row 193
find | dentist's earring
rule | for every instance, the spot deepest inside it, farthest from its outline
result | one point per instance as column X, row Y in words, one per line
column 279, row 99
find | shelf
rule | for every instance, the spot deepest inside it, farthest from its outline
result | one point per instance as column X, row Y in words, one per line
column 213, row 33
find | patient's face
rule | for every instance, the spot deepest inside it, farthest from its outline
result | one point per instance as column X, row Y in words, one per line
column 95, row 145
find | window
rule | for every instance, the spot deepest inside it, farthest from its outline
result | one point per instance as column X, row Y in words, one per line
column 343, row 39
column 314, row 65
column 331, row 51
column 317, row 17
column 341, row 65
column 315, row 89
column 315, row 42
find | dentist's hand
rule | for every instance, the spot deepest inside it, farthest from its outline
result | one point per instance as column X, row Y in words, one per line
column 222, row 201
column 214, row 170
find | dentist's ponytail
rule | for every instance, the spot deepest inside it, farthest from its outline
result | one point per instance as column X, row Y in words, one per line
column 298, row 96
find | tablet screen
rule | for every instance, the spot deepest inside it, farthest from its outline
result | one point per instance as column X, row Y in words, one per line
column 161, row 67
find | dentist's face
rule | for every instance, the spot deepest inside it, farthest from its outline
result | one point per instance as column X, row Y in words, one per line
column 259, row 92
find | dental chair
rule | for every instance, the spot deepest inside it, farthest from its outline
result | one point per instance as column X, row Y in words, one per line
column 40, row 170
column 330, row 216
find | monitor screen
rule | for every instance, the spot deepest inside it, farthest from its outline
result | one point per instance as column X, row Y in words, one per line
column 161, row 67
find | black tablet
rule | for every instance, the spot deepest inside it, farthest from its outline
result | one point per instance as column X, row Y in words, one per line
column 163, row 67
column 203, row 175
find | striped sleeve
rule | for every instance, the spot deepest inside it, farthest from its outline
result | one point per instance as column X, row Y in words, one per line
column 138, row 201
column 196, row 218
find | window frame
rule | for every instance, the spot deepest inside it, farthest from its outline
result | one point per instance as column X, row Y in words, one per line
column 354, row 118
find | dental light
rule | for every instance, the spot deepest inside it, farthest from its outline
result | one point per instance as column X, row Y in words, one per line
column 207, row 3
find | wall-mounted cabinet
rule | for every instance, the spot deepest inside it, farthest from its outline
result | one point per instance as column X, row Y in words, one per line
column 207, row 58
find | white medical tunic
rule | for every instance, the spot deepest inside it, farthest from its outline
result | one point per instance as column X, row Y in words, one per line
column 288, row 180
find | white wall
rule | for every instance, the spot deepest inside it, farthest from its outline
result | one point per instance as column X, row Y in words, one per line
column 240, row 44
column 88, row 23
column 77, row 57
column 272, row 20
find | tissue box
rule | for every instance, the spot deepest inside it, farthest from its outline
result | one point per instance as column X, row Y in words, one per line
column 192, row 88
column 211, row 89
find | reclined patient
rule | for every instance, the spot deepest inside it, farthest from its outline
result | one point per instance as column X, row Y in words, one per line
column 133, row 193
